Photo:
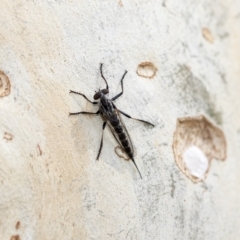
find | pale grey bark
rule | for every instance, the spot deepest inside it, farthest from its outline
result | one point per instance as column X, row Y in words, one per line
column 182, row 59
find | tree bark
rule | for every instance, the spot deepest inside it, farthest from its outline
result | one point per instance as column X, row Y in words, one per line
column 182, row 59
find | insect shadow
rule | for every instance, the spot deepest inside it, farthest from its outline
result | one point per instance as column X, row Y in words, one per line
column 111, row 117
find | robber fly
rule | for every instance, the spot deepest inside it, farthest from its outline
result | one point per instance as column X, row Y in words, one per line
column 111, row 117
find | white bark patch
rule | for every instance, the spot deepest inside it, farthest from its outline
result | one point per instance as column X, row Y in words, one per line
column 196, row 162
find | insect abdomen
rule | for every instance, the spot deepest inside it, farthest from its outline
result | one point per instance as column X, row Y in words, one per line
column 122, row 136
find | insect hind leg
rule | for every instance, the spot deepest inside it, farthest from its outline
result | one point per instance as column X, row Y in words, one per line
column 101, row 144
column 126, row 115
column 76, row 113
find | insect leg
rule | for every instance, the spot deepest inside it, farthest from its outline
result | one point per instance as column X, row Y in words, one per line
column 118, row 95
column 76, row 113
column 83, row 96
column 103, row 76
column 126, row 115
column 100, row 149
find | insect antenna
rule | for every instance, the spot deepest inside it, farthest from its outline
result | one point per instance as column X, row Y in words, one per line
column 136, row 167
column 103, row 76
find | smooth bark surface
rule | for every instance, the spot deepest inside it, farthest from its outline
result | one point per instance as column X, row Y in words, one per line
column 183, row 60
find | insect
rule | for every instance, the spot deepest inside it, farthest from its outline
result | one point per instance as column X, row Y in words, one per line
column 111, row 117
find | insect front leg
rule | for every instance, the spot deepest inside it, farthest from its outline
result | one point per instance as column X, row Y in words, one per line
column 126, row 115
column 118, row 95
column 76, row 113
column 83, row 96
column 100, row 149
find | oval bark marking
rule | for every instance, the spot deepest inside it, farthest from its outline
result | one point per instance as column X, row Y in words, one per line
column 8, row 136
column 39, row 150
column 5, row 86
column 121, row 153
column 207, row 34
column 15, row 237
column 146, row 70
column 17, row 225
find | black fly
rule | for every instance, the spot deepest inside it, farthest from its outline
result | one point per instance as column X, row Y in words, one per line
column 111, row 116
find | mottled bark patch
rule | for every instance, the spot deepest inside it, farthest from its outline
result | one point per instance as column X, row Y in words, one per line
column 196, row 142
column 5, row 85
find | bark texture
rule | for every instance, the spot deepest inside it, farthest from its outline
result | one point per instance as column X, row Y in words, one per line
column 183, row 60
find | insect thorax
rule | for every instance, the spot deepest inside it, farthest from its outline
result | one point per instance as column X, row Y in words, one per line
column 106, row 107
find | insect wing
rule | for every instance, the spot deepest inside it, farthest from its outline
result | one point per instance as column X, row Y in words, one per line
column 124, row 130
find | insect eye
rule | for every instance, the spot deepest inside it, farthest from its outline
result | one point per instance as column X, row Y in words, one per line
column 105, row 91
column 97, row 95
